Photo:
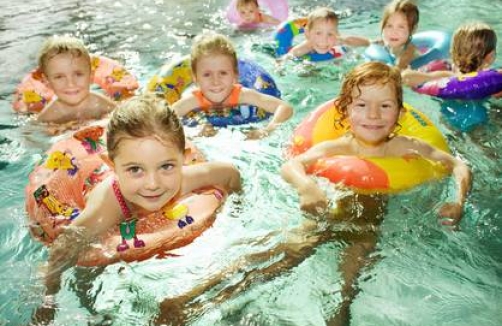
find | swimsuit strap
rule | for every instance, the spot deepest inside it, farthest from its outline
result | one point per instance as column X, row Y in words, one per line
column 120, row 198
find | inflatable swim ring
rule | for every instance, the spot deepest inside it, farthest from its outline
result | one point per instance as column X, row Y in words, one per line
column 285, row 33
column 275, row 8
column 31, row 95
column 473, row 86
column 56, row 194
column 173, row 79
column 370, row 174
column 434, row 45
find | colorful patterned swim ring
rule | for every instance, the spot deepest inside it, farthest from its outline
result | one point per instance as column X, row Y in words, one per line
column 473, row 86
column 370, row 174
column 173, row 79
column 56, row 193
column 286, row 32
column 32, row 94
column 434, row 46
column 275, row 8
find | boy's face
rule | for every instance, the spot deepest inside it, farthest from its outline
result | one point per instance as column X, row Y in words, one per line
column 323, row 35
column 215, row 77
column 373, row 113
column 69, row 77
column 395, row 33
column 248, row 13
column 150, row 180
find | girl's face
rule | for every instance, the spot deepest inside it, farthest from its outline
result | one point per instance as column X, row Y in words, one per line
column 373, row 113
column 215, row 77
column 249, row 13
column 322, row 36
column 395, row 33
column 150, row 180
column 69, row 77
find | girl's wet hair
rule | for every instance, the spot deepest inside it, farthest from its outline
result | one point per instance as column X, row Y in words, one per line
column 321, row 14
column 406, row 7
column 209, row 44
column 365, row 74
column 471, row 44
column 144, row 116
column 55, row 45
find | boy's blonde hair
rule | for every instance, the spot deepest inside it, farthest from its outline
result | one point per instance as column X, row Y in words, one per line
column 471, row 44
column 406, row 7
column 141, row 116
column 365, row 74
column 321, row 14
column 243, row 3
column 55, row 45
column 209, row 44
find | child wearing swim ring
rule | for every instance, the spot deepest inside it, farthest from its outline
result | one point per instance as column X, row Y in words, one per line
column 322, row 35
column 65, row 64
column 473, row 49
column 250, row 13
column 146, row 150
column 215, row 72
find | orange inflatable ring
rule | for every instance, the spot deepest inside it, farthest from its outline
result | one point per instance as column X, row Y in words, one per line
column 32, row 95
column 56, row 194
column 370, row 174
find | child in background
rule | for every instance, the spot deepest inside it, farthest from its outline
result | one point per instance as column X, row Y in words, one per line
column 142, row 183
column 66, row 68
column 215, row 72
column 322, row 35
column 250, row 13
column 473, row 49
column 399, row 22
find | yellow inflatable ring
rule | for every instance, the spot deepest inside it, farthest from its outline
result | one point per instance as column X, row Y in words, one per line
column 32, row 94
column 56, row 192
column 370, row 174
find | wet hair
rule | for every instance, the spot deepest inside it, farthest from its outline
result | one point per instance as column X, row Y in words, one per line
column 55, row 45
column 242, row 3
column 365, row 74
column 321, row 14
column 141, row 116
column 472, row 42
column 210, row 44
column 406, row 7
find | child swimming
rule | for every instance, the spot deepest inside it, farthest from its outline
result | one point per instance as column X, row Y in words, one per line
column 322, row 35
column 136, row 186
column 250, row 13
column 66, row 68
column 215, row 72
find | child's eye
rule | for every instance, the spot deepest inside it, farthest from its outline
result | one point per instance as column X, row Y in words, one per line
column 134, row 170
column 167, row 166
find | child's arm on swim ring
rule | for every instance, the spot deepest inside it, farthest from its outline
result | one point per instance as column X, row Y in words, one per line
column 414, row 78
column 208, row 174
column 184, row 105
column 299, row 50
column 267, row 19
column 355, row 41
column 280, row 109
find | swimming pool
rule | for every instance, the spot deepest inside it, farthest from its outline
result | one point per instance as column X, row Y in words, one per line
column 424, row 275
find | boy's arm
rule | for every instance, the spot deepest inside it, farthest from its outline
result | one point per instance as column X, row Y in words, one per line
column 355, row 41
column 267, row 19
column 280, row 109
column 299, row 50
column 184, row 105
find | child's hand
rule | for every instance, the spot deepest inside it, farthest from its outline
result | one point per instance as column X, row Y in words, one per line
column 450, row 214
column 314, row 201
column 208, row 130
column 256, row 134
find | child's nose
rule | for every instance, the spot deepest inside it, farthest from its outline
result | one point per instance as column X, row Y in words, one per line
column 373, row 112
column 152, row 182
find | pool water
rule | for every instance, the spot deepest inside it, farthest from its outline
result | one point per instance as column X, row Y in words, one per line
column 423, row 274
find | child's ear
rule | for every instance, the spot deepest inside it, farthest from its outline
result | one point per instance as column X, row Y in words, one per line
column 489, row 59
